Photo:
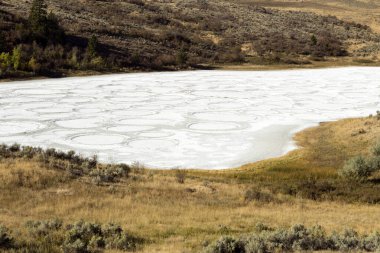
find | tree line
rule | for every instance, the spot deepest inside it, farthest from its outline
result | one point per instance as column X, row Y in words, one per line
column 39, row 46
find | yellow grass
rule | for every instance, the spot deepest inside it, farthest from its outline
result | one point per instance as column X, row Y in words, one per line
column 360, row 11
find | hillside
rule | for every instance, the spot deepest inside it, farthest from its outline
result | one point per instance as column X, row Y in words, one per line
column 360, row 11
column 139, row 34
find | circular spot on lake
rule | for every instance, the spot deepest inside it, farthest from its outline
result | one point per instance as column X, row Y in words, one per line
column 146, row 122
column 152, row 144
column 214, row 126
column 80, row 123
column 12, row 128
column 99, row 139
column 156, row 134
column 125, row 129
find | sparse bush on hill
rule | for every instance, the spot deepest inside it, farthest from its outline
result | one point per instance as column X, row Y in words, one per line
column 255, row 194
column 180, row 176
column 110, row 173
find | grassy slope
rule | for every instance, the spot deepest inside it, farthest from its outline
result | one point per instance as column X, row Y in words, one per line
column 181, row 217
column 361, row 11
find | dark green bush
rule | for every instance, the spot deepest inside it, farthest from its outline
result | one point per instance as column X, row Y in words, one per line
column 6, row 241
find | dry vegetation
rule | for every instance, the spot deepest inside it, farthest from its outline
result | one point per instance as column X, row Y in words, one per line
column 360, row 11
column 173, row 211
column 176, row 34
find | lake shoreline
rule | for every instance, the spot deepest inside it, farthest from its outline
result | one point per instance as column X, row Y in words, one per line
column 330, row 63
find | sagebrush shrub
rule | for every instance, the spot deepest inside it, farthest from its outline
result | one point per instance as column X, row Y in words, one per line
column 6, row 241
column 227, row 244
column 376, row 149
column 346, row 241
column 357, row 169
column 295, row 239
column 371, row 242
column 85, row 237
column 255, row 194
column 42, row 228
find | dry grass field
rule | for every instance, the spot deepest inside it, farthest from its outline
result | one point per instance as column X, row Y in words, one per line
column 360, row 11
column 175, row 216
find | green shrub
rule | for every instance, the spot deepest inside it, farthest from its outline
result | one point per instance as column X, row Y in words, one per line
column 6, row 241
column 227, row 244
column 357, row 169
column 110, row 174
column 348, row 240
column 256, row 244
column 376, row 149
column 85, row 237
column 255, row 194
column 42, row 228
column 180, row 176
column 371, row 242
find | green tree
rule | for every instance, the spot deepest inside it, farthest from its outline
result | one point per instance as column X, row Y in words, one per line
column 92, row 46
column 38, row 17
column 34, row 65
column 2, row 42
column 182, row 57
column 54, row 32
column 16, row 57
column 314, row 40
column 5, row 62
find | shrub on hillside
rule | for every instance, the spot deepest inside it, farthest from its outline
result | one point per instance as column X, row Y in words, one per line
column 43, row 228
column 255, row 194
column 85, row 237
column 295, row 239
column 356, row 169
column 75, row 164
column 110, row 174
column 6, row 241
column 227, row 244
column 180, row 176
